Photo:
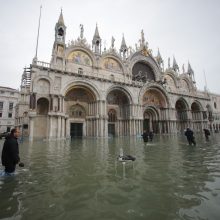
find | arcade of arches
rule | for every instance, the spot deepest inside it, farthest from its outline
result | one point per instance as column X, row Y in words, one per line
column 81, row 113
column 85, row 115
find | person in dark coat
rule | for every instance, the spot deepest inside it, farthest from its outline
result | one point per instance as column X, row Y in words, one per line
column 190, row 136
column 145, row 136
column 207, row 133
column 10, row 152
column 151, row 135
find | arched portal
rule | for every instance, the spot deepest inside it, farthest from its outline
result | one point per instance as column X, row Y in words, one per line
column 118, row 108
column 154, row 104
column 181, row 114
column 81, row 107
column 197, row 116
column 196, row 111
column 151, row 120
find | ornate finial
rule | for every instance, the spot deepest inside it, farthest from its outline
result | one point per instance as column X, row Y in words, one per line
column 104, row 45
column 61, row 20
column 81, row 31
column 159, row 58
column 168, row 62
column 113, row 42
column 142, row 37
column 124, row 48
column 183, row 68
column 175, row 65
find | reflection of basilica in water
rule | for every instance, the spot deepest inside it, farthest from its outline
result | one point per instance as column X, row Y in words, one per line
column 85, row 91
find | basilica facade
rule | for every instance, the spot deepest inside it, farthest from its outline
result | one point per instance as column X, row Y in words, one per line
column 89, row 91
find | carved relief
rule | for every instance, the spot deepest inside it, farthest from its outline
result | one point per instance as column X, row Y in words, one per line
column 77, row 111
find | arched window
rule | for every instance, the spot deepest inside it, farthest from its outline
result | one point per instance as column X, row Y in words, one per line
column 42, row 106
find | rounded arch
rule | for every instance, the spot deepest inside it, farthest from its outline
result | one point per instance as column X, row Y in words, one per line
column 150, row 119
column 181, row 103
column 170, row 79
column 160, row 93
column 142, row 71
column 181, row 107
column 147, row 60
column 42, row 84
column 196, row 109
column 112, row 63
column 196, row 106
column 42, row 106
column 80, row 55
column 185, row 84
column 88, row 86
column 151, row 111
column 80, row 93
column 121, row 90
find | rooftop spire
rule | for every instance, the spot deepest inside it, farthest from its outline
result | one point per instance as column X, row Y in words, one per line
column 175, row 65
column 61, row 21
column 190, row 72
column 96, row 35
column 124, row 48
column 96, row 42
column 123, row 44
column 159, row 58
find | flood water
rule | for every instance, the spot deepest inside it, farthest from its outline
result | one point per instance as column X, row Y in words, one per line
column 82, row 179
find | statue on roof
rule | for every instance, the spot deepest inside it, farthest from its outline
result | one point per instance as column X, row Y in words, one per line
column 142, row 37
column 81, row 31
column 183, row 68
column 113, row 42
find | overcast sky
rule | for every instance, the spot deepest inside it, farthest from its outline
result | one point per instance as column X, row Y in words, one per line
column 186, row 29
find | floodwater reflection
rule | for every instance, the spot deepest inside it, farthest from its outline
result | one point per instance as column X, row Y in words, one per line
column 82, row 179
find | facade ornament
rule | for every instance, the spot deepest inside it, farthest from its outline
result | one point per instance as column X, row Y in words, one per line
column 113, row 42
column 81, row 31
column 175, row 65
column 142, row 37
column 183, row 68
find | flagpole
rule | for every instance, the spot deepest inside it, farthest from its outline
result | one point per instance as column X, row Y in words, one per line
column 38, row 34
column 205, row 80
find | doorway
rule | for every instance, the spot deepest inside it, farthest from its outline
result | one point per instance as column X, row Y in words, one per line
column 111, row 130
column 76, row 130
column 146, row 124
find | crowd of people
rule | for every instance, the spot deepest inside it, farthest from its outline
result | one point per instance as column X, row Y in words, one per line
column 188, row 133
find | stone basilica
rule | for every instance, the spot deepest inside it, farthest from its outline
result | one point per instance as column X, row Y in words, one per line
column 85, row 91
